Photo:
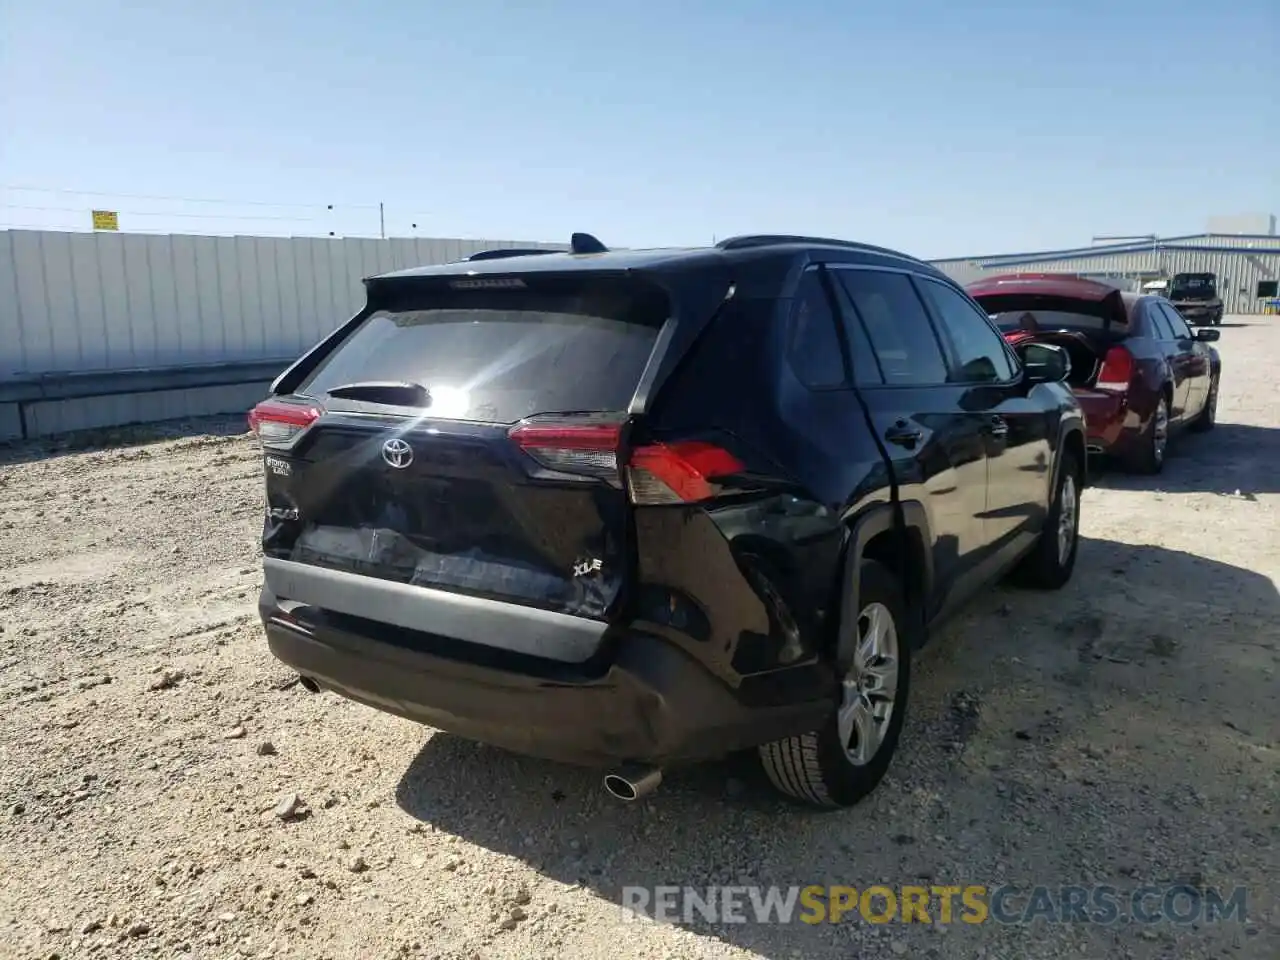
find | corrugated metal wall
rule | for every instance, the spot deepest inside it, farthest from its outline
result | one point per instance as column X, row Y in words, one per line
column 961, row 271
column 1238, row 273
column 72, row 302
column 1247, row 241
column 1238, row 269
column 49, row 417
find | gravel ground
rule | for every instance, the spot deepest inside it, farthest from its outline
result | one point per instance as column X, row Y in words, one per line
column 1124, row 731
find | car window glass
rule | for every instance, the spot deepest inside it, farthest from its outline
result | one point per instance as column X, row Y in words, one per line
column 813, row 345
column 1160, row 323
column 1180, row 328
column 866, row 369
column 897, row 326
column 498, row 355
column 981, row 356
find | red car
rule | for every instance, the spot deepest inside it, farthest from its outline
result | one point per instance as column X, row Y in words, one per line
column 1139, row 372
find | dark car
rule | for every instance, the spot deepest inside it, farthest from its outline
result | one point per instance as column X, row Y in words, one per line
column 1138, row 370
column 1195, row 296
column 631, row 509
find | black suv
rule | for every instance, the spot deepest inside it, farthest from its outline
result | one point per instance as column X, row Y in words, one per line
column 637, row 508
column 1195, row 296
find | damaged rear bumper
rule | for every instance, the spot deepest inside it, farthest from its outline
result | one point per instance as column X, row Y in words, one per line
column 650, row 703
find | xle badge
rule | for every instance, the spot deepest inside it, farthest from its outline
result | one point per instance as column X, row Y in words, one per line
column 587, row 566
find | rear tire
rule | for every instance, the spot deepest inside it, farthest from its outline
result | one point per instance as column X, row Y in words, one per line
column 1209, row 415
column 1050, row 563
column 1153, row 443
column 838, row 764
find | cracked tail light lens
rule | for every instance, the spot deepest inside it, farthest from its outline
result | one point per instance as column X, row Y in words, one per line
column 655, row 474
column 678, row 472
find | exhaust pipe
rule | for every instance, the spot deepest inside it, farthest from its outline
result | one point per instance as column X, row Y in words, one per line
column 633, row 781
column 308, row 684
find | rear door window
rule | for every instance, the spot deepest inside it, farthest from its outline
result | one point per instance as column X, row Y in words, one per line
column 813, row 344
column 1180, row 329
column 1159, row 322
column 981, row 355
column 897, row 326
column 499, row 355
column 862, row 355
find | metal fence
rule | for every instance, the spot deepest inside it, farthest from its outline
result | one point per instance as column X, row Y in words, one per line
column 81, row 302
column 103, row 329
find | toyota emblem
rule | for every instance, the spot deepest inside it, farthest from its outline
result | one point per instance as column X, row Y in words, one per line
column 397, row 453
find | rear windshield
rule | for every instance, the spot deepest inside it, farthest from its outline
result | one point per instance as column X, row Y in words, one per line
column 1194, row 284
column 500, row 355
column 1039, row 321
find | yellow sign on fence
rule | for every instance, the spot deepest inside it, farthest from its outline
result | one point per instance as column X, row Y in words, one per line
column 106, row 220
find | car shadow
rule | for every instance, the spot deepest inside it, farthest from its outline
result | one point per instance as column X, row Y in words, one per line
column 13, row 453
column 1233, row 460
column 944, row 810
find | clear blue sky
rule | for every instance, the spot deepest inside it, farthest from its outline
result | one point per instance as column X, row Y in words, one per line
column 942, row 128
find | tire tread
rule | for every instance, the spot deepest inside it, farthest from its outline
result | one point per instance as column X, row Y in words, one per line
column 792, row 765
column 1041, row 569
column 810, row 767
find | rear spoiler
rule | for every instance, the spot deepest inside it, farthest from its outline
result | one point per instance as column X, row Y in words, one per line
column 512, row 252
column 298, row 370
column 579, row 243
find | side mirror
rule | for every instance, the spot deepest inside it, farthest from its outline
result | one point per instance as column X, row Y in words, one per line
column 1044, row 363
column 1207, row 334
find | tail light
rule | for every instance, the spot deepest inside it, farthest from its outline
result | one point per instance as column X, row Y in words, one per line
column 1117, row 370
column 678, row 472
column 587, row 449
column 277, row 423
column 655, row 474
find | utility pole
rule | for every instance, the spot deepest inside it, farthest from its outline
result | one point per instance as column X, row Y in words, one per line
column 382, row 221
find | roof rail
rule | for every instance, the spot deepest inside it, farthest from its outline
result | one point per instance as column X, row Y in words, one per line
column 510, row 252
column 775, row 239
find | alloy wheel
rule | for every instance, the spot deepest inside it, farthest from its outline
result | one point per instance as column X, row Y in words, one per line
column 1160, row 431
column 1067, row 508
column 870, row 686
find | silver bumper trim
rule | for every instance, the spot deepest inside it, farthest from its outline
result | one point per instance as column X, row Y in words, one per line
column 507, row 626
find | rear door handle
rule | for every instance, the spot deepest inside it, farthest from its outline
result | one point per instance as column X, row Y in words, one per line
column 904, row 434
column 998, row 427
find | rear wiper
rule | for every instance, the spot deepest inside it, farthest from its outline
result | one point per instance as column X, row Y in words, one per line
column 392, row 393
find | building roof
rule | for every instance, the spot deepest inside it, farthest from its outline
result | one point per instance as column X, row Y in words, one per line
column 1208, row 242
